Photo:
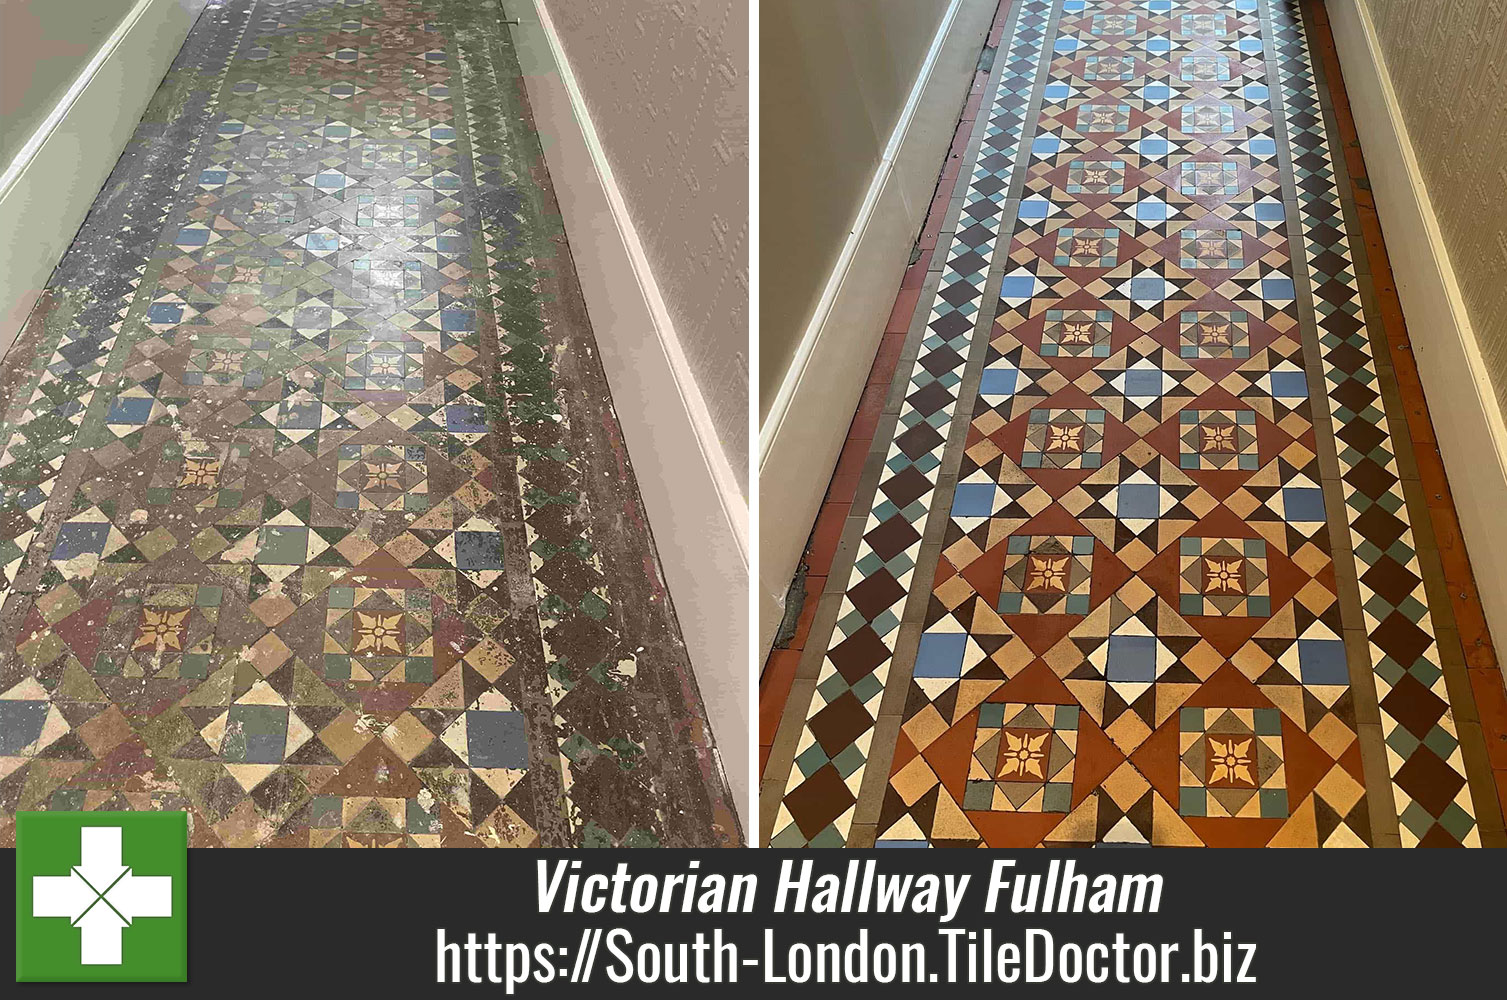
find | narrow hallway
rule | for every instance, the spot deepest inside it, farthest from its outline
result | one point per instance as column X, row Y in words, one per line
column 317, row 519
column 1140, row 536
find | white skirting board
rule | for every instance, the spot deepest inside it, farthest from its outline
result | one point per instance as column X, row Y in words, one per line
column 697, row 514
column 808, row 421
column 47, row 189
column 1467, row 416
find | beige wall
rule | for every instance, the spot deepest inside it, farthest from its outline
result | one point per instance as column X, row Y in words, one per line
column 667, row 87
column 1445, row 60
column 834, row 76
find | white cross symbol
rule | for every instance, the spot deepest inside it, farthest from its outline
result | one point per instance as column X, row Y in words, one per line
column 101, row 896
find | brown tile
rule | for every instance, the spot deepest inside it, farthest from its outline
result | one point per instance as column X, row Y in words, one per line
column 825, row 537
column 774, row 688
column 1491, row 706
column 815, row 587
column 870, row 407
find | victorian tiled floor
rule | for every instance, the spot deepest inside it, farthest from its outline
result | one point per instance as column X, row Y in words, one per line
column 317, row 522
column 1142, row 551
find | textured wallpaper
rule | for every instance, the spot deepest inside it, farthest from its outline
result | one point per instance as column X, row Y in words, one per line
column 666, row 82
column 1447, row 60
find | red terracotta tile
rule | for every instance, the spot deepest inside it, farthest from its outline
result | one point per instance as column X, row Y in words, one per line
column 887, row 358
column 1491, row 705
column 774, row 688
column 975, row 101
column 915, row 275
column 824, row 538
column 814, row 587
column 870, row 407
column 903, row 310
column 1001, row 18
column 849, row 468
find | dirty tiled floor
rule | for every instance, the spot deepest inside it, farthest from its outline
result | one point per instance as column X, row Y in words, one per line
column 316, row 519
column 1145, row 551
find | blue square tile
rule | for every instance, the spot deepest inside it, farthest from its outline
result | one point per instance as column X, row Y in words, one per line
column 1018, row 286
column 998, row 382
column 465, row 418
column 1289, row 385
column 1322, row 661
column 79, row 538
column 1139, row 500
column 165, row 312
column 130, row 410
column 1033, row 208
column 1278, row 289
column 20, row 725
column 1131, row 658
column 477, row 550
column 973, row 500
column 303, row 416
column 1143, row 383
column 941, row 654
column 1303, row 503
column 496, row 739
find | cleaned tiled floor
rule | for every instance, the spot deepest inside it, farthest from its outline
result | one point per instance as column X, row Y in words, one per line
column 316, row 519
column 1153, row 546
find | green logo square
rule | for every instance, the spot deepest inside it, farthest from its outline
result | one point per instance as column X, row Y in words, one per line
column 102, row 897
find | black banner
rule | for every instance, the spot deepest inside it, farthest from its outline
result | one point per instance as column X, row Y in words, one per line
column 558, row 923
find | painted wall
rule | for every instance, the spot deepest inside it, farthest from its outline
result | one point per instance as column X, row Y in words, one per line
column 834, row 76
column 43, row 46
column 1445, row 61
column 47, row 185
column 667, row 87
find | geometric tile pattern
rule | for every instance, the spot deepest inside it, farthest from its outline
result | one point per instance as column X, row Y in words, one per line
column 1173, row 575
column 305, row 529
column 830, row 764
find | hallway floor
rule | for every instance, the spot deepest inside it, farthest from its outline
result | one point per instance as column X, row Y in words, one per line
column 317, row 522
column 1141, row 537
